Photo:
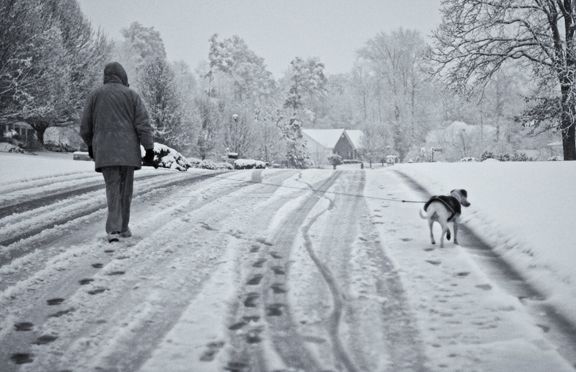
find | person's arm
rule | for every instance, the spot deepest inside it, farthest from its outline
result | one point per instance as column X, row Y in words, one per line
column 87, row 126
column 142, row 125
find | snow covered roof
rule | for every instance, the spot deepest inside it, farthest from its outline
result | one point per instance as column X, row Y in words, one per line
column 325, row 137
column 356, row 137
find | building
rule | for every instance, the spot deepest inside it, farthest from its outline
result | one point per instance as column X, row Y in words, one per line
column 321, row 143
column 18, row 133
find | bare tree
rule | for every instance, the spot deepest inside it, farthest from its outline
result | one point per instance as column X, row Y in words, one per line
column 478, row 37
column 395, row 61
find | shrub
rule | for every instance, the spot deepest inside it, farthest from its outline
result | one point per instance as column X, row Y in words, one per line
column 335, row 160
column 249, row 164
column 167, row 157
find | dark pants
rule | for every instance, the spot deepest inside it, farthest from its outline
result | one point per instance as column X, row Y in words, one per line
column 119, row 186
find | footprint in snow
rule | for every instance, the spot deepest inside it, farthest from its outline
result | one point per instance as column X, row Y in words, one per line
column 278, row 270
column 22, row 358
column 255, row 248
column 60, row 313
column 212, row 349
column 238, row 325
column 275, row 255
column 251, row 298
column 463, row 274
column 97, row 290
column 406, row 239
column 255, row 280
column 115, row 273
column 278, row 288
column 45, row 339
column 54, row 301
column 274, row 309
column 259, row 263
column 97, row 265
column 23, row 326
column 85, row 281
column 434, row 262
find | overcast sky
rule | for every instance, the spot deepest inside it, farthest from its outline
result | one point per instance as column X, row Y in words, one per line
column 277, row 30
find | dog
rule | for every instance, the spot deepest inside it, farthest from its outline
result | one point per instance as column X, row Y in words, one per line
column 444, row 209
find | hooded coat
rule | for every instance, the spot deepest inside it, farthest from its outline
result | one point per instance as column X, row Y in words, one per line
column 115, row 122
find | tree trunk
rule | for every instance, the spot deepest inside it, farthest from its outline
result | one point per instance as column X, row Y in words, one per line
column 39, row 127
column 568, row 121
column 568, row 141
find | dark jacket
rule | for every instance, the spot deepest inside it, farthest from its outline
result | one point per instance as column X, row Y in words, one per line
column 115, row 122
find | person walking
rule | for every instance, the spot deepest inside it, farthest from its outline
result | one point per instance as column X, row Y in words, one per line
column 114, row 124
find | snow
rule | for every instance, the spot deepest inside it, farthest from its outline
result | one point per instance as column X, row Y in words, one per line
column 525, row 210
column 24, row 166
column 363, row 282
column 325, row 137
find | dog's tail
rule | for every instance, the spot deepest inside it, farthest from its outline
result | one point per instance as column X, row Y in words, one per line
column 423, row 215
column 448, row 235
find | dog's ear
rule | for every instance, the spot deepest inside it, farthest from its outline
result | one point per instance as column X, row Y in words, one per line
column 464, row 192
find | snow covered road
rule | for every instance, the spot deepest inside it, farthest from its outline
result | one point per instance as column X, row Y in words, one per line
column 266, row 270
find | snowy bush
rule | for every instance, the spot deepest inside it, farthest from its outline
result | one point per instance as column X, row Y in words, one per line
column 517, row 156
column 335, row 160
column 207, row 164
column 167, row 157
column 195, row 162
column 8, row 147
column 224, row 165
column 249, row 164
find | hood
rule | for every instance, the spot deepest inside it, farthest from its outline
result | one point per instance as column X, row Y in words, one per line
column 115, row 73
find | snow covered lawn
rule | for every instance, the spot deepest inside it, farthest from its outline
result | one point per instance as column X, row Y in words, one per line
column 525, row 210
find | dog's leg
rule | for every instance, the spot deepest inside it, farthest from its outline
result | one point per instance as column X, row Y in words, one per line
column 444, row 231
column 456, row 232
column 431, row 225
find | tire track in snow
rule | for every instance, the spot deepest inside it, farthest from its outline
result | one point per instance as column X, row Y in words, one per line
column 49, row 197
column 340, row 351
column 265, row 296
column 32, row 183
column 78, row 212
column 163, row 312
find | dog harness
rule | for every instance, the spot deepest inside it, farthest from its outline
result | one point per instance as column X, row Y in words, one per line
column 450, row 202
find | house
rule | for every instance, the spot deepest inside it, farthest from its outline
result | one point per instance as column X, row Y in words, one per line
column 19, row 133
column 321, row 143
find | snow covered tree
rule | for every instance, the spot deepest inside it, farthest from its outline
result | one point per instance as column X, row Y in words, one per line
column 156, row 81
column 144, row 44
column 478, row 37
column 158, row 89
column 267, row 118
column 208, row 115
column 49, row 62
column 394, row 69
column 374, row 143
column 248, row 74
column 297, row 155
column 307, row 89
